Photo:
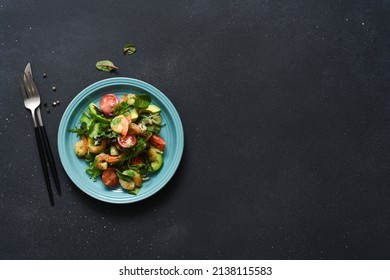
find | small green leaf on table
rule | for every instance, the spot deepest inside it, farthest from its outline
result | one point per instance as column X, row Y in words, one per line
column 106, row 66
column 129, row 49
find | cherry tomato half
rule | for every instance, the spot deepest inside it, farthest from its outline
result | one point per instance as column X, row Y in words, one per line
column 108, row 103
column 109, row 177
column 127, row 141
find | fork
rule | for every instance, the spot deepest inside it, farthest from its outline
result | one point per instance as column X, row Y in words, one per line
column 46, row 144
column 32, row 101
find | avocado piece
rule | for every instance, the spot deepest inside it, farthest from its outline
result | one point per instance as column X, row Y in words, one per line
column 153, row 109
column 133, row 115
column 97, row 115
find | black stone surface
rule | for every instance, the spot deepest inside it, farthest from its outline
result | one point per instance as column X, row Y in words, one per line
column 286, row 113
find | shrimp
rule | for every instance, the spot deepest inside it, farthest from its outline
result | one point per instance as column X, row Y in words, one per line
column 81, row 147
column 120, row 124
column 95, row 149
column 130, row 185
column 137, row 179
column 127, row 185
column 102, row 160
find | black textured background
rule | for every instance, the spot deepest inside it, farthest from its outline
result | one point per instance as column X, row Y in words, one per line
column 286, row 112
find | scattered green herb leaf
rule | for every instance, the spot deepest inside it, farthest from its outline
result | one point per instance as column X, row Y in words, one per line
column 105, row 66
column 129, row 49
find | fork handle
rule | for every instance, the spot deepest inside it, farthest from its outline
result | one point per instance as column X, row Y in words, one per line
column 44, row 164
column 50, row 157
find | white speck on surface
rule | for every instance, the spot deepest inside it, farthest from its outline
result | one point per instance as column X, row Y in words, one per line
column 362, row 23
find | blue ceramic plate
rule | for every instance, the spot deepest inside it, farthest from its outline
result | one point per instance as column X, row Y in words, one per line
column 75, row 167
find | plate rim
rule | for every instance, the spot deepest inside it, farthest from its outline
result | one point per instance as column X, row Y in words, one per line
column 126, row 81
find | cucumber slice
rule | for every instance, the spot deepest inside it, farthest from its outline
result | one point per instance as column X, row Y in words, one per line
column 158, row 162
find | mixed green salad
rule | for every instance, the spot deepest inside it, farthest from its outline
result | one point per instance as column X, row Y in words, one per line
column 120, row 141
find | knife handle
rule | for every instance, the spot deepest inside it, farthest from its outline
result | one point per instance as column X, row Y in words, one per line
column 44, row 164
column 50, row 158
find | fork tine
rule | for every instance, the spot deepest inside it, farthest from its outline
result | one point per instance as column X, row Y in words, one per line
column 27, row 84
column 32, row 89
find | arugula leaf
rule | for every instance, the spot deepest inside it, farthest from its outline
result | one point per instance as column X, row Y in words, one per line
column 95, row 131
column 79, row 130
column 87, row 119
column 121, row 108
column 154, row 128
column 86, row 126
column 142, row 168
column 108, row 133
column 93, row 171
column 141, row 145
column 86, row 123
column 106, row 66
